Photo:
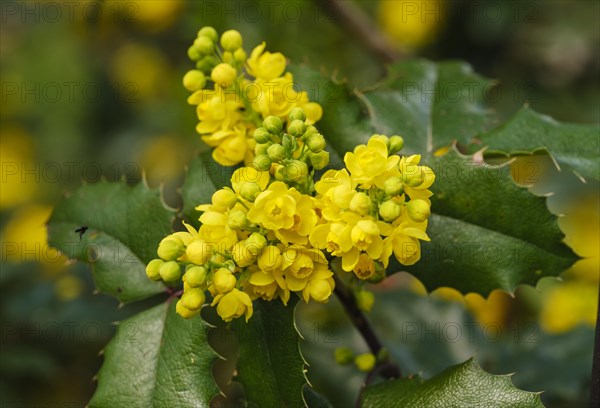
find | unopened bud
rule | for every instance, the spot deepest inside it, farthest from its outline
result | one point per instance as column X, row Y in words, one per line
column 343, row 355
column 249, row 191
column 297, row 114
column 365, row 300
column 194, row 80
column 273, row 124
column 153, row 269
column 209, row 32
column 390, row 210
column 276, row 152
column 396, row 144
column 360, row 203
column 223, row 75
column 418, row 210
column 393, row 186
column 231, row 40
column 262, row 162
column 170, row 271
column 195, row 276
column 319, row 160
column 193, row 298
column 296, row 128
column 170, row 248
column 204, row 44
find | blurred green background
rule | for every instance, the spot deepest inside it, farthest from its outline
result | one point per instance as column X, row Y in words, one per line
column 92, row 89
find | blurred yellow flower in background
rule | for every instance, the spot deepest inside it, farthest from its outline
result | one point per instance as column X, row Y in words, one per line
column 16, row 154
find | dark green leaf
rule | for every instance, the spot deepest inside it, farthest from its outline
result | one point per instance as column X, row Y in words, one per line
column 157, row 359
column 125, row 225
column 270, row 366
column 575, row 146
column 463, row 385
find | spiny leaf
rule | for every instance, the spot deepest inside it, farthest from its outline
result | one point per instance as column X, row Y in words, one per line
column 157, row 359
column 463, row 385
column 270, row 366
column 125, row 225
column 574, row 146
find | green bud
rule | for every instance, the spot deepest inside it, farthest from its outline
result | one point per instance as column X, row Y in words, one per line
column 280, row 173
column 261, row 148
column 287, row 142
column 209, row 32
column 365, row 362
column 262, row 135
column 223, row 280
column 170, row 248
column 204, row 44
column 390, row 210
column 276, row 152
column 229, row 265
column 228, row 57
column 240, row 55
column 262, row 162
column 310, row 130
column 396, row 144
column 273, row 124
column 184, row 311
column 418, row 210
column 207, row 63
column 255, row 243
column 170, row 271
column 379, row 274
column 319, row 160
column 153, row 269
column 365, row 300
column 296, row 128
column 414, row 176
column 316, row 143
column 393, row 186
column 194, row 80
column 231, row 40
column 193, row 299
column 343, row 355
column 297, row 114
column 194, row 53
column 236, row 219
column 195, row 276
column 296, row 170
column 249, row 191
column 360, row 203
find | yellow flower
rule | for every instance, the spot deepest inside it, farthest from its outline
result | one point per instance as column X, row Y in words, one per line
column 264, row 64
column 223, row 280
column 370, row 165
column 298, row 265
column 403, row 241
column 568, row 305
column 233, row 305
column 215, row 229
column 198, row 252
column 232, row 148
column 335, row 191
column 242, row 255
column 274, row 208
column 365, row 267
column 216, row 111
column 416, row 179
column 245, row 175
column 320, row 285
column 270, row 260
column 268, row 286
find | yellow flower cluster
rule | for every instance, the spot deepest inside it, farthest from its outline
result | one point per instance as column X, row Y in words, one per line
column 233, row 94
column 377, row 206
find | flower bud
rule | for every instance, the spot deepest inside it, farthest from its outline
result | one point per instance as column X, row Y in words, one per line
column 418, row 210
column 194, row 53
column 316, row 142
column 276, row 152
column 319, row 160
column 261, row 148
column 240, row 55
column 296, row 170
column 365, row 300
column 296, row 128
column 396, row 144
column 209, row 32
column 184, row 311
column 153, row 269
column 207, row 63
column 319, row 290
column 231, row 40
column 287, row 142
column 393, row 186
column 249, row 191
column 204, row 44
column 383, row 138
column 195, row 276
column 255, row 243
column 194, row 80
column 223, row 75
column 273, row 124
column 261, row 135
column 365, row 362
column 170, row 271
column 224, row 198
column 241, row 255
column 193, row 299
column 280, row 173
column 198, row 252
column 414, row 176
column 262, row 162
column 270, row 259
column 228, row 57
column 170, row 248
column 223, row 280
column 360, row 203
column 390, row 210
column 297, row 114
column 310, row 130
column 343, row 355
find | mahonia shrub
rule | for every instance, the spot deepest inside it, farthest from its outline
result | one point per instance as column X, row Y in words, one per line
column 277, row 228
